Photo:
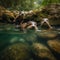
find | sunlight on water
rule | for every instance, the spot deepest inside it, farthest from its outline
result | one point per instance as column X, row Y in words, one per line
column 21, row 40
column 14, row 39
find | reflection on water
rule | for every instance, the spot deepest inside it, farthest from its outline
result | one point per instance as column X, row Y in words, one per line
column 9, row 35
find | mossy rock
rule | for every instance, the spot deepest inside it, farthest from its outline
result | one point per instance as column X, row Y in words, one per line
column 6, row 15
column 17, row 51
column 55, row 45
column 42, row 52
column 46, row 34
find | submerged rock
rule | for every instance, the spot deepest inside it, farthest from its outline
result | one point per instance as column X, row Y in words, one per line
column 42, row 51
column 18, row 51
column 55, row 45
column 47, row 34
column 31, row 37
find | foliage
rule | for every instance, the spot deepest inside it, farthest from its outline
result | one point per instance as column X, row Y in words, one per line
column 20, row 4
column 26, row 4
column 46, row 2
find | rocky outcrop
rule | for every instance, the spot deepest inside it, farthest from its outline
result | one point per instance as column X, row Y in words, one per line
column 6, row 15
column 52, row 11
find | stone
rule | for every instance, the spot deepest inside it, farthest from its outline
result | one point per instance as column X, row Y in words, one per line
column 17, row 51
column 55, row 45
column 42, row 51
column 47, row 34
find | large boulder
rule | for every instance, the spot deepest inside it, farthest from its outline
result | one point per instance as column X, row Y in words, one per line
column 42, row 52
column 55, row 45
column 17, row 51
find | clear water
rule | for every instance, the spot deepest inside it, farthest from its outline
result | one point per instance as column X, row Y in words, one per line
column 10, row 35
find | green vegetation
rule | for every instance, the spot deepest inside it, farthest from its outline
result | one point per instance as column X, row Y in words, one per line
column 45, row 2
column 20, row 4
column 26, row 4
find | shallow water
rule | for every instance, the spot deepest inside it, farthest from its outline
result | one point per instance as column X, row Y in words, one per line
column 10, row 35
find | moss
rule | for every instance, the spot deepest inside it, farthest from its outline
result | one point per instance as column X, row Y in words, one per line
column 17, row 51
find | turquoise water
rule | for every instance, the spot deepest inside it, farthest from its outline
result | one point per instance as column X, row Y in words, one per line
column 10, row 35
